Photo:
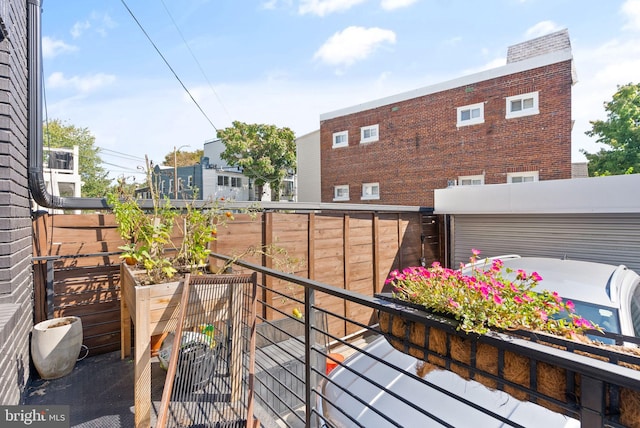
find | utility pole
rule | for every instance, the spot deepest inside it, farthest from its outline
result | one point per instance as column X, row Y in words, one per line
column 175, row 173
column 175, row 170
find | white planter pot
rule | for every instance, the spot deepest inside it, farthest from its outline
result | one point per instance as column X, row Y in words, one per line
column 55, row 346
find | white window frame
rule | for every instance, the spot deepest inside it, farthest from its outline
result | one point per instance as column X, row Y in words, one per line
column 368, row 191
column 337, row 135
column 337, row 189
column 524, row 175
column 373, row 129
column 524, row 111
column 471, row 120
column 478, row 179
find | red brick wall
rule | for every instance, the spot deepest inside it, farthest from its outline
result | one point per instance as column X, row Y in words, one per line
column 420, row 146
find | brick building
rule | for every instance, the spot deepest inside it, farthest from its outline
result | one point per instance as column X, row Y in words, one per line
column 508, row 124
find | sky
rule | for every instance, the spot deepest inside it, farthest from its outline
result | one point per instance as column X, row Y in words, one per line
column 148, row 77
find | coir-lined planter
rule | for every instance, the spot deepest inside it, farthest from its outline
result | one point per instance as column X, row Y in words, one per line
column 499, row 360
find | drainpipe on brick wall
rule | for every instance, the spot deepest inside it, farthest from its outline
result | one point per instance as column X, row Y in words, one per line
column 37, row 185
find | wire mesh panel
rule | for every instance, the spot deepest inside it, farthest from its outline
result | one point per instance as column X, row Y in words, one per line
column 210, row 373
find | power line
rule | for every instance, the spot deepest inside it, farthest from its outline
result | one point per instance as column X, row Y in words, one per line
column 114, row 153
column 168, row 65
column 196, row 60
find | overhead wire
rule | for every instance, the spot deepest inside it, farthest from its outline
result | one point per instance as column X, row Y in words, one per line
column 175, row 24
column 124, row 3
column 114, row 153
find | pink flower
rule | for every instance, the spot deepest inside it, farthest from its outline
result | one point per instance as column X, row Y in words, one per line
column 571, row 306
column 475, row 252
column 536, row 277
column 497, row 299
column 521, row 274
column 453, row 303
column 518, row 300
column 581, row 322
column 543, row 315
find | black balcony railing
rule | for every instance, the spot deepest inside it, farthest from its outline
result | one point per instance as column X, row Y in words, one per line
column 294, row 354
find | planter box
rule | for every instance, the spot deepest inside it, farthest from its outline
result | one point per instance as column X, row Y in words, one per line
column 154, row 310
column 516, row 363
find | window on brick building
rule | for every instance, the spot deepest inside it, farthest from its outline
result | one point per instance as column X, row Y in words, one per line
column 370, row 191
column 471, row 114
column 471, row 180
column 522, row 177
column 522, row 105
column 369, row 134
column 340, row 139
column 341, row 193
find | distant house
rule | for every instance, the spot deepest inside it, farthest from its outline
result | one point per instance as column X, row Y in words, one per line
column 510, row 124
column 223, row 180
column 212, row 179
column 61, row 172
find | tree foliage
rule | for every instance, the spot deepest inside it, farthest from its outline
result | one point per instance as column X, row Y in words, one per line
column 183, row 158
column 94, row 177
column 621, row 132
column 265, row 153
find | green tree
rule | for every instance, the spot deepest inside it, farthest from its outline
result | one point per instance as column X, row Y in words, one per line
column 94, row 177
column 183, row 158
column 621, row 132
column 265, row 153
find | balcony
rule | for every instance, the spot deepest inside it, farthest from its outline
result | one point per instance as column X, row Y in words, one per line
column 293, row 357
column 305, row 329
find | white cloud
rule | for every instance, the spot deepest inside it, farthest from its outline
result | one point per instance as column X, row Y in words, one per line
column 631, row 10
column 80, row 84
column 52, row 48
column 326, row 7
column 103, row 23
column 353, row 44
column 79, row 28
column 453, row 41
column 396, row 4
column 542, row 28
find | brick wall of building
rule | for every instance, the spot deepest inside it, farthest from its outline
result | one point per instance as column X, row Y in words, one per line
column 16, row 282
column 420, row 146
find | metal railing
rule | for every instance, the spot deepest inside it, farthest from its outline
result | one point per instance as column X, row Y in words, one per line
column 380, row 386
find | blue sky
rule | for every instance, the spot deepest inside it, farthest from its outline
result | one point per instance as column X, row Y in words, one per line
column 285, row 62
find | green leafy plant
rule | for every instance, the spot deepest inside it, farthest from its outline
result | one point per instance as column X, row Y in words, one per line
column 484, row 298
column 148, row 234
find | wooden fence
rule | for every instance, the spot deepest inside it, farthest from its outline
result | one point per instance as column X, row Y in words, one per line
column 350, row 250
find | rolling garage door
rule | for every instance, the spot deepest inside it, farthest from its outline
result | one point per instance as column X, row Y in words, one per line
column 607, row 238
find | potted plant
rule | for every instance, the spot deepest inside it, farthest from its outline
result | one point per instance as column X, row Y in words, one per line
column 464, row 313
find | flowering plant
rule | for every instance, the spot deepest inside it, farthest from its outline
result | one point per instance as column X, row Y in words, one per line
column 484, row 298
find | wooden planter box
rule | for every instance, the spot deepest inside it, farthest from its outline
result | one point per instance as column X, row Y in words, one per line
column 498, row 362
column 154, row 310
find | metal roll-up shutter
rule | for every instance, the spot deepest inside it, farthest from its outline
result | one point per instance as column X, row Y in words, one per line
column 606, row 238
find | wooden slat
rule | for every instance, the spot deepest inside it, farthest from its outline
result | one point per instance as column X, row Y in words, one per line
column 376, row 244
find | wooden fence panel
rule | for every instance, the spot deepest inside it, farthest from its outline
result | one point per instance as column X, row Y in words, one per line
column 354, row 250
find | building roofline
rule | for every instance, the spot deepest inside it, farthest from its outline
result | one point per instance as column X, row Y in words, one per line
column 511, row 68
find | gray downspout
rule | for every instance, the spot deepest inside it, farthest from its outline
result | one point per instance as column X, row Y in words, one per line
column 37, row 185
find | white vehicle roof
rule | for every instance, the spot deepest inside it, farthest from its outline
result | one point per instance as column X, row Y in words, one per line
column 572, row 279
column 447, row 409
